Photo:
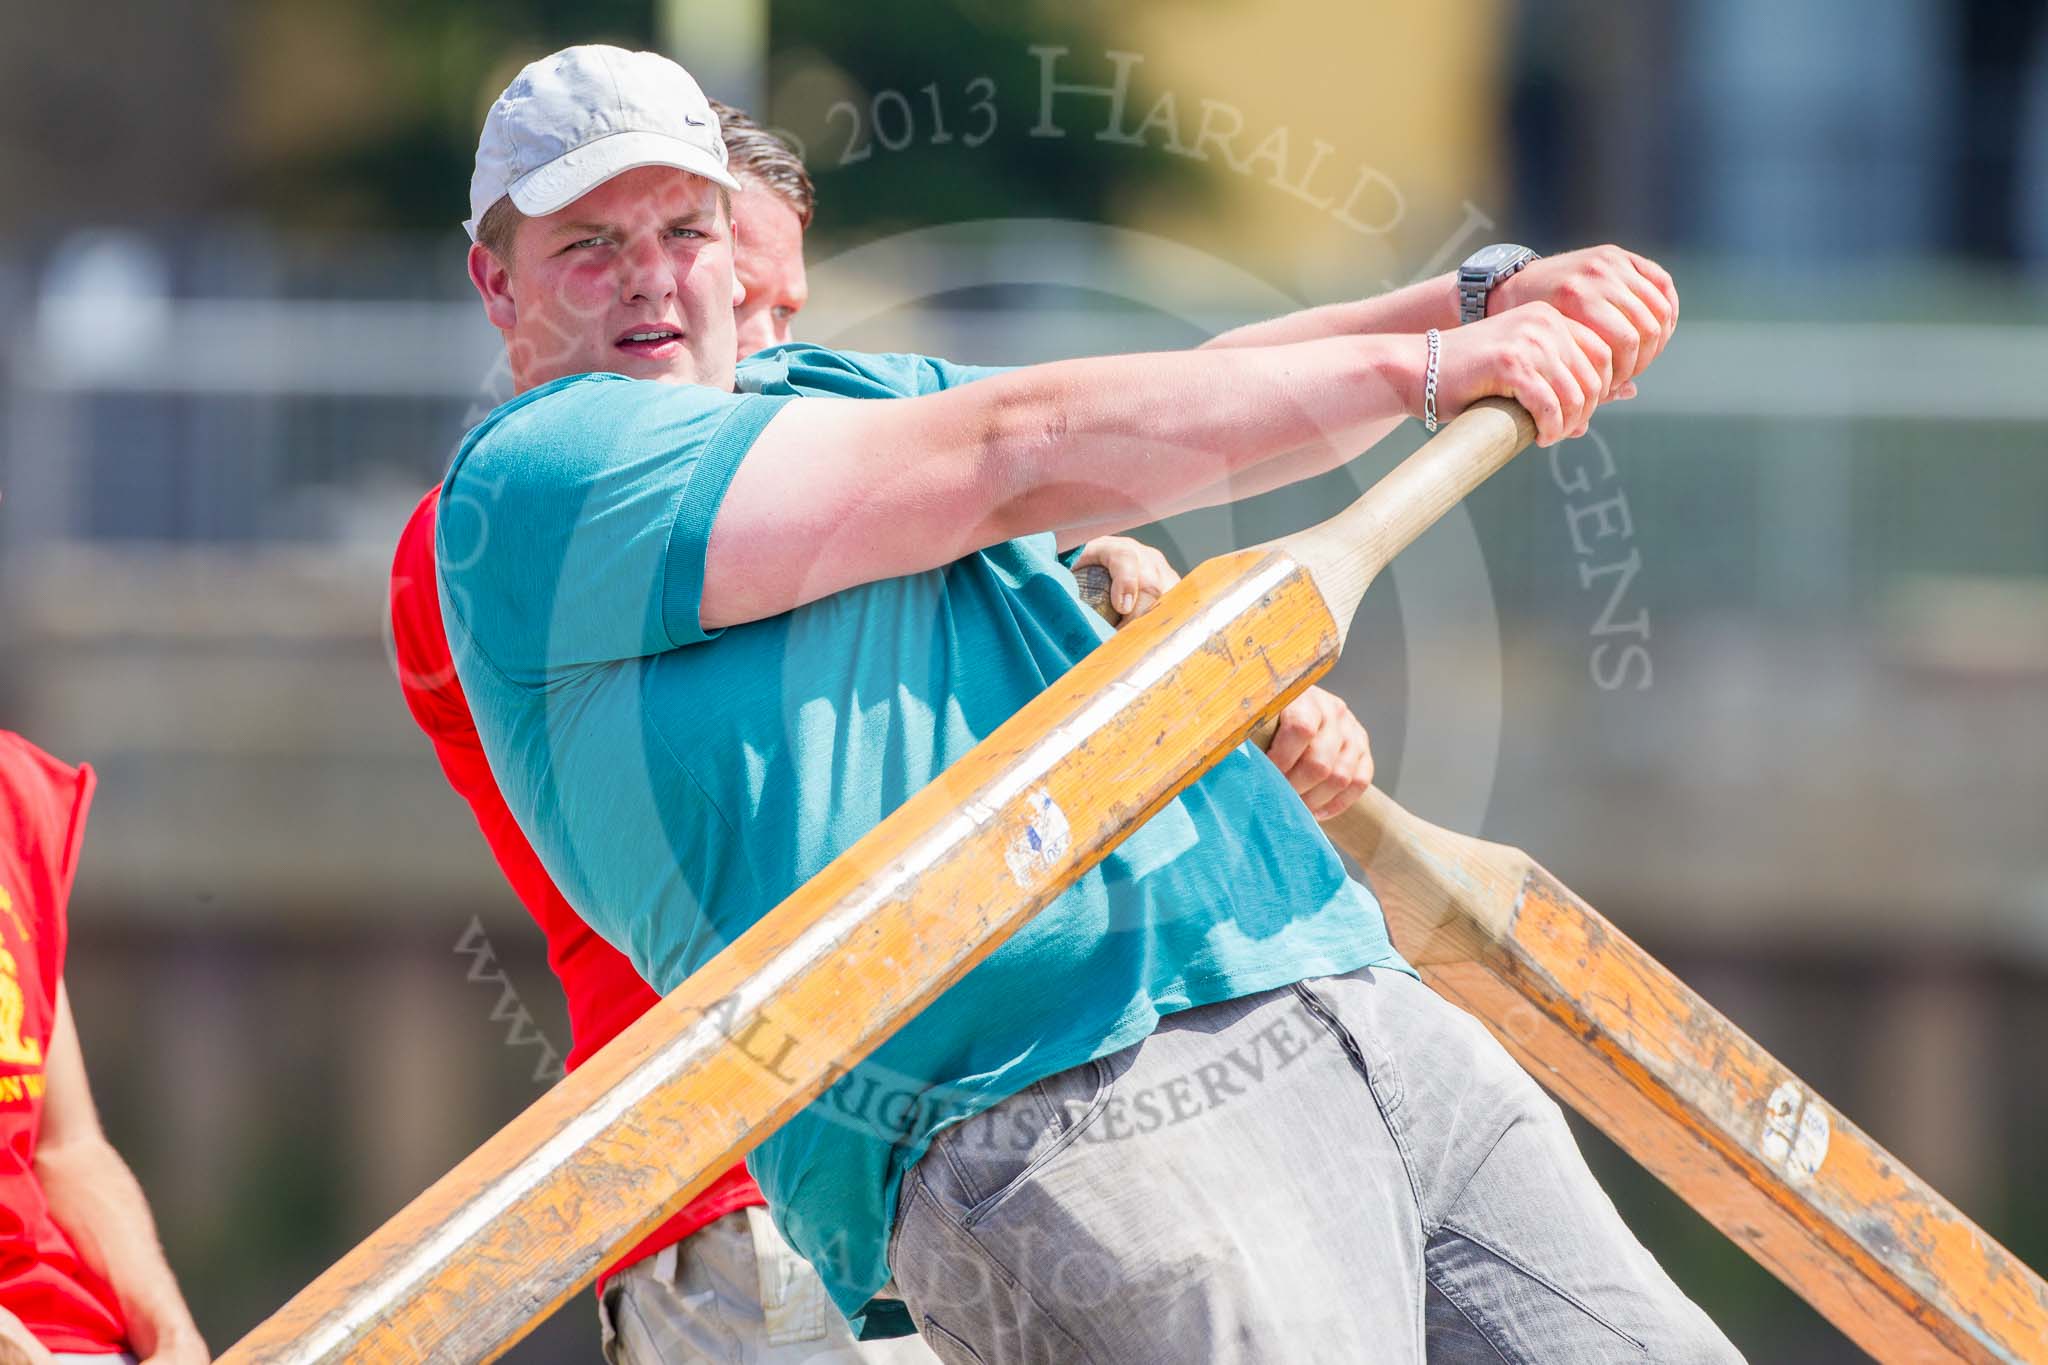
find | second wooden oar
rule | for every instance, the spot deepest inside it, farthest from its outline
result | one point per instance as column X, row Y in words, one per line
column 1752, row 1148
column 1746, row 1143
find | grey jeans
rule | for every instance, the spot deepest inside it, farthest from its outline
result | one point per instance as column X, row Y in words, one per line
column 733, row 1293
column 1350, row 1169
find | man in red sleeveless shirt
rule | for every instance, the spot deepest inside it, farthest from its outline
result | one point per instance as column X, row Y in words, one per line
column 81, row 1275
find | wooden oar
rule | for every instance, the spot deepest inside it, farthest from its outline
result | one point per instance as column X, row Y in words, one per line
column 1678, row 1087
column 823, row 978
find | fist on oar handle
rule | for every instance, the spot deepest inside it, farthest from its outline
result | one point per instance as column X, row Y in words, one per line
column 1562, row 336
column 1556, row 368
column 1319, row 746
column 1628, row 299
column 1138, row 575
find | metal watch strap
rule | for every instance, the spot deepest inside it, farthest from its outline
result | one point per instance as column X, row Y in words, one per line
column 1472, row 299
column 1475, row 288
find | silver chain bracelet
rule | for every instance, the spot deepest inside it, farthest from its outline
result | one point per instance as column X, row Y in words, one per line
column 1436, row 350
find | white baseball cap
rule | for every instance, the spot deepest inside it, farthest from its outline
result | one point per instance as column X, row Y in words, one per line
column 571, row 121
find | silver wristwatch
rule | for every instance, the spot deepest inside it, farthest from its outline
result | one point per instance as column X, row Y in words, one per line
column 1484, row 269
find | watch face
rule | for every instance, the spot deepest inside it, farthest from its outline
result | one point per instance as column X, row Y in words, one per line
column 1495, row 257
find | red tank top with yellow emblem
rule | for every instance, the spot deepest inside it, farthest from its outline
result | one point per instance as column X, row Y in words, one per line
column 42, row 818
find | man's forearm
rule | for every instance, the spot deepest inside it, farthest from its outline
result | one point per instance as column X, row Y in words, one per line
column 1412, row 309
column 1104, row 443
column 96, row 1199
column 1116, row 435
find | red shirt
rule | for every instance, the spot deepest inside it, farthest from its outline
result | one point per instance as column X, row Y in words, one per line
column 605, row 994
column 42, row 1280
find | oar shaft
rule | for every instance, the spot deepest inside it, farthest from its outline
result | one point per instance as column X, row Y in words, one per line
column 1346, row 552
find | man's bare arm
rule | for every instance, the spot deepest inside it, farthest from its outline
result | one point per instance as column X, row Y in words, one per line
column 836, row 492
column 1413, row 308
column 1629, row 299
column 94, row 1197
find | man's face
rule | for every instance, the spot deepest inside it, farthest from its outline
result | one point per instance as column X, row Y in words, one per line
column 770, row 266
column 635, row 278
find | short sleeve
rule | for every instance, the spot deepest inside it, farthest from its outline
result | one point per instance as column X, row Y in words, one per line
column 573, row 526
column 936, row 376
column 798, row 367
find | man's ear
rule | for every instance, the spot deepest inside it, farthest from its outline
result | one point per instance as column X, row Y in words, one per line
column 739, row 291
column 493, row 285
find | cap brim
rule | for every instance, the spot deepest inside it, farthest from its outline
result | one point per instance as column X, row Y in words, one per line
column 576, row 173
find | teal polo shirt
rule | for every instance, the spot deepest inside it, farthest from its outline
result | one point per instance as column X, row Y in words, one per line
column 679, row 782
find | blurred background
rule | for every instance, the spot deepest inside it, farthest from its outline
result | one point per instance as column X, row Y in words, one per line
column 1761, row 668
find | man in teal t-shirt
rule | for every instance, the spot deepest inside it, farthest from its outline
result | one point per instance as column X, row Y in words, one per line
column 716, row 626
column 757, row 753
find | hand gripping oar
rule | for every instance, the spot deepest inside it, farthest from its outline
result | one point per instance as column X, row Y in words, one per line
column 824, row 977
column 1678, row 1087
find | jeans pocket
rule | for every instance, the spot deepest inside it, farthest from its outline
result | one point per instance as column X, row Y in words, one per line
column 988, row 1157
column 948, row 1348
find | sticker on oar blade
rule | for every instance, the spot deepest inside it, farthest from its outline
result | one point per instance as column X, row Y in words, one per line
column 1042, row 843
column 1795, row 1132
